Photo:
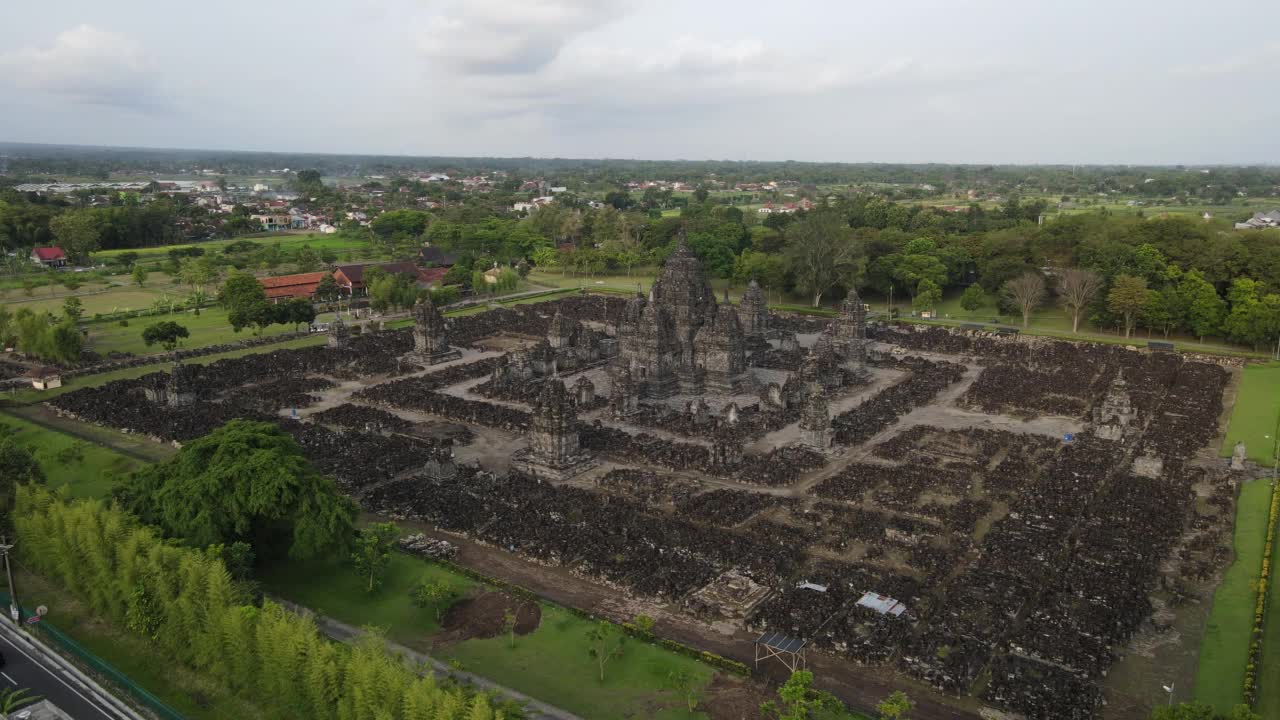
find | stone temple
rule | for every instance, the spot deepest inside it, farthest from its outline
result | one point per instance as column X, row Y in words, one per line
column 430, row 335
column 553, row 452
column 679, row 340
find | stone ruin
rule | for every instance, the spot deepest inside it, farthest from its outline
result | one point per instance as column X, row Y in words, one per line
column 753, row 314
column 1239, row 454
column 175, row 388
column 730, row 596
column 430, row 335
column 815, row 420
column 1114, row 417
column 554, row 452
column 339, row 334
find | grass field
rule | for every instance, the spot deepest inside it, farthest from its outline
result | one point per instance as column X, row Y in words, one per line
column 286, row 241
column 1269, row 675
column 550, row 664
column 553, row 662
column 186, row 691
column 1253, row 419
column 1225, row 647
column 86, row 469
column 210, row 328
column 334, row 589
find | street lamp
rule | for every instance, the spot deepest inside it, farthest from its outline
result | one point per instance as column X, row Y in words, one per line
column 1169, row 689
column 5, row 547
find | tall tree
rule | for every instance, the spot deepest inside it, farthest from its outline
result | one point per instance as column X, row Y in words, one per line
column 821, row 253
column 1128, row 297
column 1077, row 288
column 1025, row 293
column 246, row 481
column 77, row 233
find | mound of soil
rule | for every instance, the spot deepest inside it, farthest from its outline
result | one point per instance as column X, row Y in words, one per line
column 481, row 616
column 730, row 699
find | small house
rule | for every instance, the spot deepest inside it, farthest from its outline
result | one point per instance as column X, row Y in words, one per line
column 50, row 257
column 45, row 378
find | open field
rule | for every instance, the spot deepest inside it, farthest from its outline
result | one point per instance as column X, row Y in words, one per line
column 287, row 241
column 551, row 664
column 211, row 327
column 1253, row 420
column 86, row 469
column 1225, row 647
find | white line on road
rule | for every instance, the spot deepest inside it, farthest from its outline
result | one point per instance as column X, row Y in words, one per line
column 95, row 706
column 6, row 677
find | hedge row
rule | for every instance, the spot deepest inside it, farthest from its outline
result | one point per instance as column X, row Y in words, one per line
column 1259, row 613
column 711, row 659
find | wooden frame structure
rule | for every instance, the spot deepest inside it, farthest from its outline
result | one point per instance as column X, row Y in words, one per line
column 789, row 651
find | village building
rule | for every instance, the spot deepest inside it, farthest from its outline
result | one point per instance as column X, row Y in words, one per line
column 50, row 257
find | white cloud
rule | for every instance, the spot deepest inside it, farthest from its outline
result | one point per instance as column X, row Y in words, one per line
column 1264, row 57
column 488, row 37
column 86, row 65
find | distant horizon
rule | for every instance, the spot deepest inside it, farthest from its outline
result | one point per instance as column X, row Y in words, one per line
column 242, row 151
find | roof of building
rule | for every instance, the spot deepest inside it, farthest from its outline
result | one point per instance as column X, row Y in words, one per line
column 436, row 256
column 881, row 604
column 783, row 643
column 355, row 273
column 49, row 253
column 291, row 285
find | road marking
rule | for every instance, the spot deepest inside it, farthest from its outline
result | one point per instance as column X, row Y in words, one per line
column 55, row 676
column 6, row 677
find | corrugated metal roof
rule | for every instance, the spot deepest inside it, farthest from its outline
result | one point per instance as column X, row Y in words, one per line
column 882, row 604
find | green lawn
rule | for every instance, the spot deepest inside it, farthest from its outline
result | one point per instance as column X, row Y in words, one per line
column 211, row 327
column 334, row 589
column 184, row 690
column 1269, row 675
column 1253, row 419
column 1223, row 652
column 286, row 241
column 84, row 468
column 550, row 664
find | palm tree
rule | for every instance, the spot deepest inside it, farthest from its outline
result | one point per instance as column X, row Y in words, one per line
column 13, row 698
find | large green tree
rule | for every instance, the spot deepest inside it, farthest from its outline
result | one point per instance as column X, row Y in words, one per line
column 244, row 482
column 821, row 254
column 1129, row 296
column 77, row 233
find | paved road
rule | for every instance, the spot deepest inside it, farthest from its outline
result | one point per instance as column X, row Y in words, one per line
column 25, row 667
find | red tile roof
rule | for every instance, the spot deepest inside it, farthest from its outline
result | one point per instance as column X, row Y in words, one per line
column 46, row 254
column 291, row 286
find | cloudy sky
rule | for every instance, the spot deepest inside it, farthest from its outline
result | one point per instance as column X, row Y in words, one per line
column 1133, row 81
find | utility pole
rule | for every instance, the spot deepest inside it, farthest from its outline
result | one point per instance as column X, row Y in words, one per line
column 5, row 547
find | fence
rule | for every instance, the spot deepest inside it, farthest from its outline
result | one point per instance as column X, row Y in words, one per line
column 46, row 631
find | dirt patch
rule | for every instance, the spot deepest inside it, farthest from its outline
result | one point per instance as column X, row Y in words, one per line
column 483, row 616
column 730, row 699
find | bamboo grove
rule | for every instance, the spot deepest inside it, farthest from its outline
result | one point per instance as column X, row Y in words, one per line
column 186, row 603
